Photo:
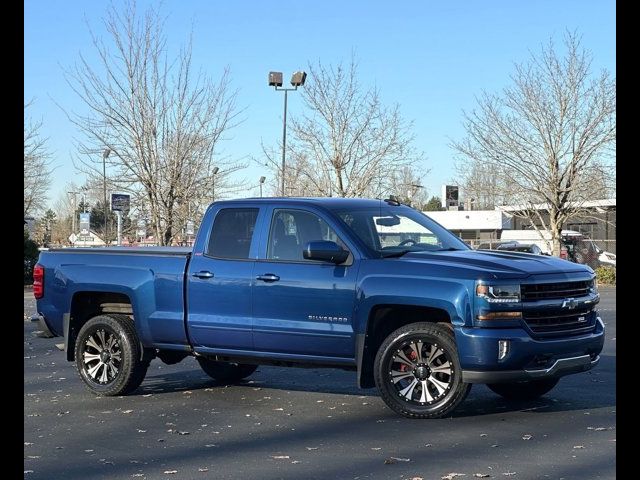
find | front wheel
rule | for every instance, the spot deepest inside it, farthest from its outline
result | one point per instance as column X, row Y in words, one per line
column 226, row 372
column 528, row 390
column 417, row 371
column 108, row 355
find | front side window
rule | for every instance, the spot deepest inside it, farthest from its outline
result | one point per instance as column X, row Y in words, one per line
column 292, row 229
column 390, row 231
column 232, row 233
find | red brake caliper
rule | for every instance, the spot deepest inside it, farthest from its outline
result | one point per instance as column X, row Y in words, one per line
column 412, row 356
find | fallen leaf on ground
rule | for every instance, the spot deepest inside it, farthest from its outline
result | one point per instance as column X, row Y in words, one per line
column 508, row 474
column 527, row 437
column 578, row 446
column 171, row 472
column 203, row 469
column 389, row 461
column 280, row 457
column 481, row 475
column 451, row 476
column 398, row 459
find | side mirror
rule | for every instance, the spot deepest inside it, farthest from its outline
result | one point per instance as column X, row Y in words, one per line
column 325, row 251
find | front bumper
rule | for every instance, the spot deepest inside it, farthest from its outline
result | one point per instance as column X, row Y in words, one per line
column 559, row 368
column 527, row 358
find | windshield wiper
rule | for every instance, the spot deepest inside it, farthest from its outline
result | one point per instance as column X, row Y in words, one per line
column 395, row 254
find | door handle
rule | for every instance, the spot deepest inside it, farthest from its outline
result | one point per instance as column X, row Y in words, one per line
column 268, row 277
column 203, row 274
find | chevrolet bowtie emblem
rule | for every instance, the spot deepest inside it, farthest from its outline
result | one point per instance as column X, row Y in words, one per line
column 569, row 303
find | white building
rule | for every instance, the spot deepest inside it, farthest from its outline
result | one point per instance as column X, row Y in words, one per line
column 474, row 224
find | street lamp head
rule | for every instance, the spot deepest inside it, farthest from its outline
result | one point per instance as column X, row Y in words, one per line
column 106, row 153
column 298, row 78
column 262, row 179
column 275, row 79
column 215, row 170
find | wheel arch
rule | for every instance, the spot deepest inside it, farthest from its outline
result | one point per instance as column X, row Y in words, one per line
column 88, row 304
column 384, row 319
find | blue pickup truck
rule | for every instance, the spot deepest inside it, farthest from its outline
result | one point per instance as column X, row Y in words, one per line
column 371, row 286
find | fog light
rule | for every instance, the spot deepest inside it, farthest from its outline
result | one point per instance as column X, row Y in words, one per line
column 503, row 349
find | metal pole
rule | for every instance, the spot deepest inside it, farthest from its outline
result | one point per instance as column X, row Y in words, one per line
column 213, row 198
column 261, row 190
column 104, row 191
column 119, row 215
column 284, row 138
column 73, row 218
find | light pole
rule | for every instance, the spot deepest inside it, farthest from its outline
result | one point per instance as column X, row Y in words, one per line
column 275, row 80
column 105, row 154
column 73, row 218
column 262, row 179
column 215, row 172
column 412, row 192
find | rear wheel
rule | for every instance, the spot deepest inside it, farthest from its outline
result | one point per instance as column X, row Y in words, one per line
column 226, row 372
column 108, row 353
column 418, row 373
column 528, row 390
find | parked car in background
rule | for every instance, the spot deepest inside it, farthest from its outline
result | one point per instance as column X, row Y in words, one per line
column 521, row 247
column 493, row 245
column 576, row 247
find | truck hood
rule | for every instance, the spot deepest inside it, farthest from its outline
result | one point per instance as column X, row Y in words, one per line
column 497, row 264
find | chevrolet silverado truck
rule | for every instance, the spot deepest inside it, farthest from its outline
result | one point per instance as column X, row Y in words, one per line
column 372, row 286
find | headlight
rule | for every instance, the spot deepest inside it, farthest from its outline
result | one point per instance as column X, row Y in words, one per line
column 499, row 293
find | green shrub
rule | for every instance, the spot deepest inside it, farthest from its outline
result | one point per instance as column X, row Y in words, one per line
column 30, row 258
column 606, row 275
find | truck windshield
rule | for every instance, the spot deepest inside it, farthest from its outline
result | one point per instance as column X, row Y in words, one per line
column 392, row 231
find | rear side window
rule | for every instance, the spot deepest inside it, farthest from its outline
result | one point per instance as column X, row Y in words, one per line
column 232, row 233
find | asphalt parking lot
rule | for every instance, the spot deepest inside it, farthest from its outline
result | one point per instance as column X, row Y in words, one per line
column 286, row 423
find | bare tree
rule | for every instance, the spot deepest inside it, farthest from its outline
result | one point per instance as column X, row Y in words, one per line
column 37, row 166
column 160, row 120
column 407, row 186
column 347, row 144
column 479, row 182
column 547, row 138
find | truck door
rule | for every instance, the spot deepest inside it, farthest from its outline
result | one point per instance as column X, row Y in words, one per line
column 302, row 307
column 220, row 279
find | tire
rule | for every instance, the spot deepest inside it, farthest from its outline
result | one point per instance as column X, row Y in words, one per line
column 226, row 372
column 403, row 371
column 108, row 352
column 529, row 390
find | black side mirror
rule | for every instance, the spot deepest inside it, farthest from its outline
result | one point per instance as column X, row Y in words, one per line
column 325, row 251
